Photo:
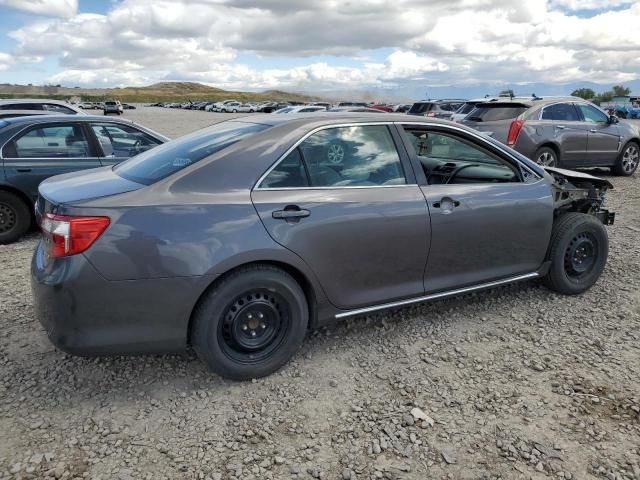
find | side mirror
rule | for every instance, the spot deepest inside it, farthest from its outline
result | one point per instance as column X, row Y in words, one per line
column 613, row 119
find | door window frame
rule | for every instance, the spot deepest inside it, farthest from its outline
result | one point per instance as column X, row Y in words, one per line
column 398, row 142
column 96, row 143
column 91, row 141
column 475, row 139
column 578, row 113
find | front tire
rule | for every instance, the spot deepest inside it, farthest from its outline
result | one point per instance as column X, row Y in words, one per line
column 546, row 157
column 251, row 323
column 15, row 217
column 628, row 160
column 578, row 253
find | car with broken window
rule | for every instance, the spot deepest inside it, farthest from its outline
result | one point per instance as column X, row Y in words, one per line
column 238, row 238
column 37, row 147
column 563, row 132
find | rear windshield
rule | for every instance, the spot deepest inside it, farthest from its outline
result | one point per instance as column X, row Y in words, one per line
column 466, row 108
column 492, row 113
column 109, row 103
column 420, row 107
column 160, row 162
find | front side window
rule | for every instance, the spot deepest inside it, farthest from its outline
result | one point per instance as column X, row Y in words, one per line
column 446, row 158
column 54, row 141
column 592, row 114
column 158, row 163
column 352, row 156
column 564, row 112
column 122, row 141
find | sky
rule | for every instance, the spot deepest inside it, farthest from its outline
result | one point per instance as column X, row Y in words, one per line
column 399, row 46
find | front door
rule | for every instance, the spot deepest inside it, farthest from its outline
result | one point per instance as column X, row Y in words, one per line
column 346, row 202
column 120, row 142
column 487, row 222
column 44, row 150
column 604, row 138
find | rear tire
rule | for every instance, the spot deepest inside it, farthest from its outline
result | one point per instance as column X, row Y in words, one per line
column 628, row 160
column 15, row 217
column 546, row 157
column 578, row 253
column 251, row 323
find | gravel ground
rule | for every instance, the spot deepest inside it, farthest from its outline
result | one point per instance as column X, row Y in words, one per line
column 514, row 383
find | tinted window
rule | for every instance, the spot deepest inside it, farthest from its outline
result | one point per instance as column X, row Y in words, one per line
column 420, row 107
column 289, row 173
column 592, row 114
column 560, row 111
column 55, row 141
column 492, row 113
column 352, row 156
column 21, row 106
column 53, row 107
column 122, row 141
column 466, row 108
column 158, row 163
column 446, row 158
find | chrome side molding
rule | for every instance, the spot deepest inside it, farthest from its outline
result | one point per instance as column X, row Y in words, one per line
column 435, row 296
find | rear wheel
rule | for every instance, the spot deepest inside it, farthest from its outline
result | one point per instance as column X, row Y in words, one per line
column 251, row 323
column 578, row 253
column 15, row 217
column 546, row 157
column 628, row 160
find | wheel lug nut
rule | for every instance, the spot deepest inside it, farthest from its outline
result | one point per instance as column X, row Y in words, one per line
column 260, row 315
column 244, row 327
column 249, row 315
column 253, row 333
column 262, row 325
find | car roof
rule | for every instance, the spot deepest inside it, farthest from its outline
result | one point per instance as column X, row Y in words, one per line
column 33, row 100
column 444, row 100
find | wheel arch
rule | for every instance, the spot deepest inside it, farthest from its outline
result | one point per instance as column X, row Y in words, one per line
column 300, row 277
column 553, row 146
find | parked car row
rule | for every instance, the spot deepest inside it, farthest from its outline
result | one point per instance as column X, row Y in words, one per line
column 235, row 106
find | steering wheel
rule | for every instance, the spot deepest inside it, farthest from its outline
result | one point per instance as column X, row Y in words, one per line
column 137, row 146
column 457, row 171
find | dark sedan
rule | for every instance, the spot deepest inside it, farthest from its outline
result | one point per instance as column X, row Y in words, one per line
column 37, row 147
column 238, row 238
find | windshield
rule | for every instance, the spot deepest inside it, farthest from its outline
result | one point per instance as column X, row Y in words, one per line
column 493, row 112
column 160, row 162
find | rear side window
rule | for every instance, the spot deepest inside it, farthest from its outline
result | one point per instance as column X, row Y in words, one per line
column 53, row 141
column 289, row 173
column 21, row 106
column 122, row 141
column 493, row 113
column 565, row 112
column 158, row 163
column 420, row 107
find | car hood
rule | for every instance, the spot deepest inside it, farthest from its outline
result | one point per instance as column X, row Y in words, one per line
column 85, row 185
column 577, row 176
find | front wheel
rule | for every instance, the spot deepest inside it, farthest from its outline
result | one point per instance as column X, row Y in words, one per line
column 546, row 157
column 628, row 160
column 251, row 323
column 578, row 253
column 15, row 217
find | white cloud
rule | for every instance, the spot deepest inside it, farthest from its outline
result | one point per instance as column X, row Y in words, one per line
column 450, row 42
column 50, row 8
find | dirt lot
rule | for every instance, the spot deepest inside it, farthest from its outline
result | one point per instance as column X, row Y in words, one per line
column 514, row 383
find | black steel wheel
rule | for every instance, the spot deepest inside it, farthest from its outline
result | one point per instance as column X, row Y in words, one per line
column 15, row 217
column 578, row 253
column 250, row 323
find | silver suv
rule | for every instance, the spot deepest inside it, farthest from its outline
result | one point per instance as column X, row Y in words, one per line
column 562, row 132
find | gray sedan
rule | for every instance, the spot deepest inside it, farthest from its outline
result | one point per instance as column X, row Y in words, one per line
column 566, row 132
column 238, row 238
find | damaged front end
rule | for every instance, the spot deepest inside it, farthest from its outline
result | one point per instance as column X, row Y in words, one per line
column 580, row 192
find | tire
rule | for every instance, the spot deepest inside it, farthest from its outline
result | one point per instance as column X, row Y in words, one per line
column 234, row 110
column 251, row 323
column 547, row 157
column 578, row 253
column 628, row 160
column 15, row 217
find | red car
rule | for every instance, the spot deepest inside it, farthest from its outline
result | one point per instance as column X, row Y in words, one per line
column 382, row 108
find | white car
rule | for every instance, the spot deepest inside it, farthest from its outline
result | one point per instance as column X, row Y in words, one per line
column 222, row 106
column 301, row 109
column 247, row 108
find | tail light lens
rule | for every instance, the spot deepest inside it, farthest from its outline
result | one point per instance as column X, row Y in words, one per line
column 514, row 131
column 68, row 235
column 430, row 114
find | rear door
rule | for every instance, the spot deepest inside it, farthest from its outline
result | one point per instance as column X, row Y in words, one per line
column 494, row 119
column 346, row 201
column 604, row 137
column 568, row 132
column 44, row 150
column 118, row 142
column 489, row 221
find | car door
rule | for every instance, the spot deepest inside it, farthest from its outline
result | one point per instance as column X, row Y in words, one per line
column 604, row 137
column 568, row 132
column 489, row 221
column 119, row 142
column 46, row 149
column 345, row 201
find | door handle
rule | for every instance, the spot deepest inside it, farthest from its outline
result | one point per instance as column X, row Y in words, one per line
column 23, row 170
column 593, row 130
column 447, row 204
column 291, row 213
column 561, row 127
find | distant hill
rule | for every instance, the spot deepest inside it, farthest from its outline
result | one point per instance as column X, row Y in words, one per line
column 158, row 92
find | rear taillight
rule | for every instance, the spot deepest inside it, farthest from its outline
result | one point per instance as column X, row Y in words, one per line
column 430, row 114
column 514, row 131
column 68, row 235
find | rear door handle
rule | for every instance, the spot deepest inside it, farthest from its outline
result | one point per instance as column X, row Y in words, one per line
column 593, row 130
column 561, row 127
column 447, row 204
column 23, row 170
column 291, row 212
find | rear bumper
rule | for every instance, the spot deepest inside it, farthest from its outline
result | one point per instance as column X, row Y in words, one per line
column 84, row 314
